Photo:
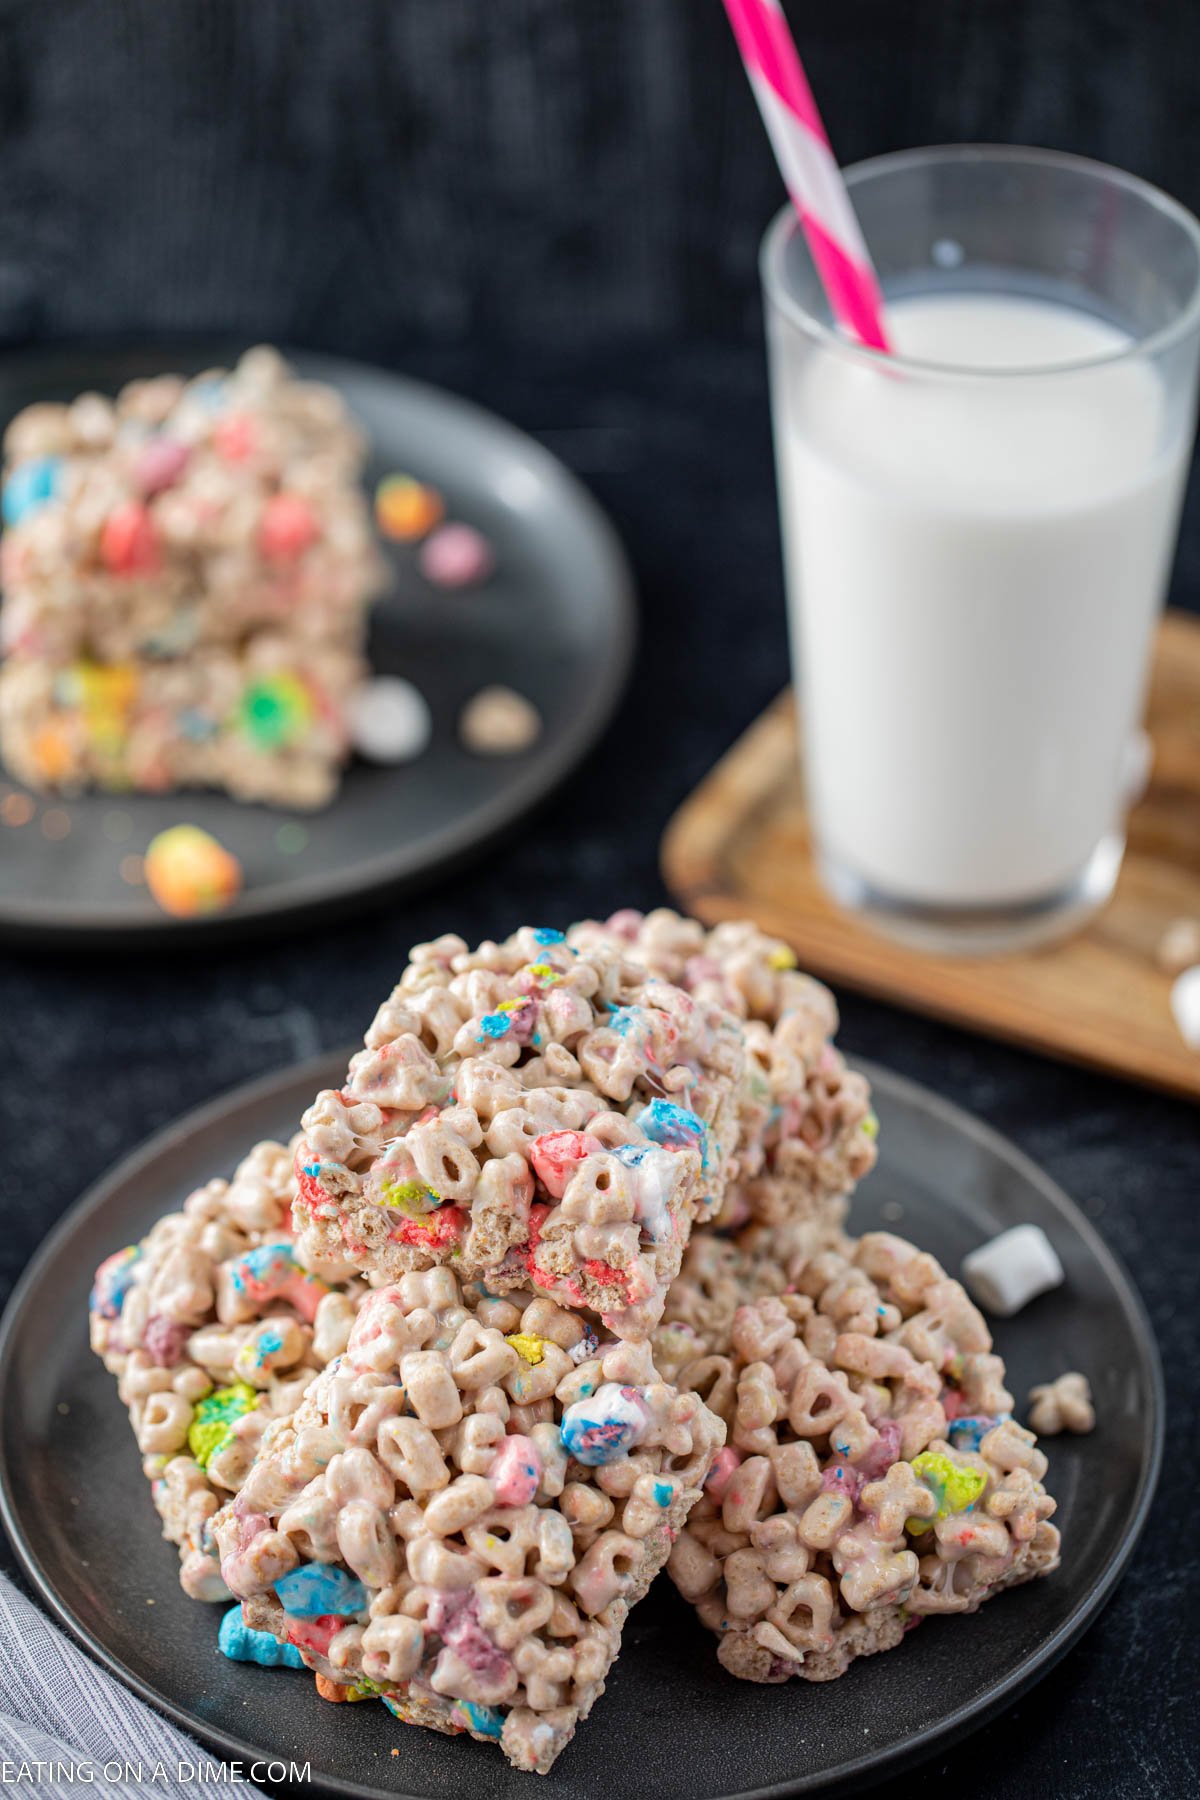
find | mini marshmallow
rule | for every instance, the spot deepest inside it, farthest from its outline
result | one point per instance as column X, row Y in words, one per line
column 1011, row 1270
column 389, row 720
column 1185, row 1004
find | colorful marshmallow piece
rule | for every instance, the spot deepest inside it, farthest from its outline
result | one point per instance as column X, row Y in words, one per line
column 968, row 1432
column 240, row 1643
column 215, row 1417
column 956, row 1489
column 456, row 556
column 190, row 873
column 389, row 720
column 1009, row 1271
column 486, row 1721
column 30, row 486
column 405, row 509
column 160, row 463
column 288, row 528
column 272, row 1272
column 113, row 1280
column 673, row 1126
column 320, row 1590
column 234, row 437
column 129, row 541
column 276, row 710
column 605, row 1426
column 556, row 1155
column 725, row 1465
column 516, row 1471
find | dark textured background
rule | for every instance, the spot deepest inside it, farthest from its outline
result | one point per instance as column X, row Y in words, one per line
column 554, row 208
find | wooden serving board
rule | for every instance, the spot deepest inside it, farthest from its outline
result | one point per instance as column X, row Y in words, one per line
column 739, row 847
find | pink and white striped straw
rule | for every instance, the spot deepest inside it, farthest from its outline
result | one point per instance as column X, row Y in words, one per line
column 809, row 170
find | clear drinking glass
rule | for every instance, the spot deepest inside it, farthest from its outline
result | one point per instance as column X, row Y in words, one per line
column 976, row 555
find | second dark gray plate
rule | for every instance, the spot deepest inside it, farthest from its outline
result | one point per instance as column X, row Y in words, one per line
column 672, row 1723
column 555, row 621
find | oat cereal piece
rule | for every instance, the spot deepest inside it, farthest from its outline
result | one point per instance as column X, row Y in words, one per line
column 873, row 1472
column 534, row 1115
column 1179, row 946
column 1064, row 1404
column 215, row 1324
column 499, row 722
column 462, row 1511
column 808, row 1131
column 186, row 574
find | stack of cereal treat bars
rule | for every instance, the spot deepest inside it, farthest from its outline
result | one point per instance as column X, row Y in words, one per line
column 564, row 1298
column 186, row 574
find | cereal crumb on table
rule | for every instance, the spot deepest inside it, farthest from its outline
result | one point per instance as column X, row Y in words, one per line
column 499, row 722
column 1062, row 1405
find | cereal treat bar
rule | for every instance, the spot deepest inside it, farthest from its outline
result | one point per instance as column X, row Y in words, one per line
column 530, row 1113
column 215, row 1325
column 186, row 575
column 874, row 1473
column 464, row 1508
column 808, row 1132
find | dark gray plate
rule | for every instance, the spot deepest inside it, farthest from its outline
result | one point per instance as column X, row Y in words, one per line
column 555, row 622
column 671, row 1722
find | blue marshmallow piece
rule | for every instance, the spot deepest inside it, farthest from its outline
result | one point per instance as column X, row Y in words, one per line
column 487, row 1720
column 968, row 1433
column 319, row 1590
column 240, row 1643
column 605, row 1426
column 674, row 1126
column 30, row 486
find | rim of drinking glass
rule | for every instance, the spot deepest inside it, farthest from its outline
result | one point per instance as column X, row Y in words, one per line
column 786, row 225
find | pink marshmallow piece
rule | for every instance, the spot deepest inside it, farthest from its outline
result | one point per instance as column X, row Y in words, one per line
column 725, row 1466
column 160, row 463
column 456, row 556
column 556, row 1155
column 516, row 1471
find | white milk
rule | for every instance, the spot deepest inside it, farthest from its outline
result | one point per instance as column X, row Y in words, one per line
column 974, row 568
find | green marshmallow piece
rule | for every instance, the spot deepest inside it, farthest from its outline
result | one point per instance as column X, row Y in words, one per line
column 412, row 1198
column 955, row 1489
column 214, row 1418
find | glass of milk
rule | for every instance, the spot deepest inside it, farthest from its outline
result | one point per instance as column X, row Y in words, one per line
column 978, row 531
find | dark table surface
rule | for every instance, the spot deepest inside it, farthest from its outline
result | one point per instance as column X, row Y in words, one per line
column 98, row 1052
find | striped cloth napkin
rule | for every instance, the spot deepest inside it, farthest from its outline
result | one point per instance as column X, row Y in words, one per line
column 68, row 1729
